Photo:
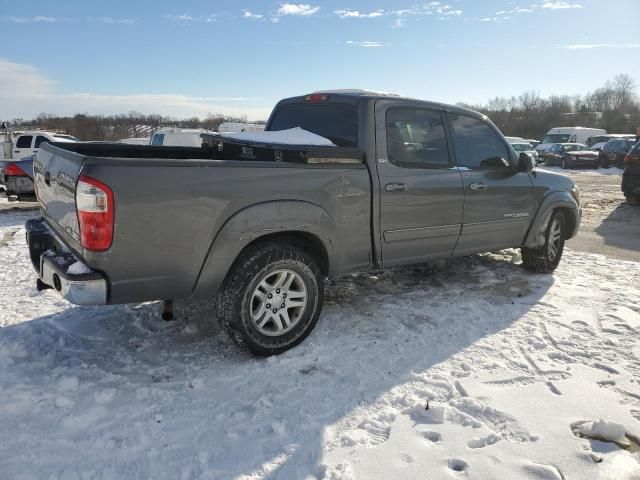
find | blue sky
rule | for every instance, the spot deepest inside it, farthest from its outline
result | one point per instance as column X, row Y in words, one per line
column 192, row 57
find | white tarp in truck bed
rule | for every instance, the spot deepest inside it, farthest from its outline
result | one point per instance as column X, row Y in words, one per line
column 292, row 136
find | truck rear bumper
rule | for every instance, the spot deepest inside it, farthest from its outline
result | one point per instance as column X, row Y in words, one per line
column 60, row 269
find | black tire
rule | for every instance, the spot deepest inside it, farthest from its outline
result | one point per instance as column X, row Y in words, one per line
column 543, row 259
column 596, row 165
column 563, row 164
column 235, row 297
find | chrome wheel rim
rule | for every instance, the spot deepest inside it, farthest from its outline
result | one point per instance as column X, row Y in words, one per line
column 278, row 302
column 555, row 236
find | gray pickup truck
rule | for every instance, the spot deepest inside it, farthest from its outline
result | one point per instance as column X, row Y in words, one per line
column 408, row 181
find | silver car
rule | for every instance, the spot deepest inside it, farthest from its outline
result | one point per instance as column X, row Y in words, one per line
column 525, row 147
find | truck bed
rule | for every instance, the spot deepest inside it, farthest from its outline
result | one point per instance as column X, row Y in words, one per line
column 172, row 204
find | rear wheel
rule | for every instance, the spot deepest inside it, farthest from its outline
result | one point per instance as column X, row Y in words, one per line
column 546, row 258
column 271, row 298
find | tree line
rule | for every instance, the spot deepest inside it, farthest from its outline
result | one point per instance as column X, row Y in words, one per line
column 115, row 127
column 614, row 106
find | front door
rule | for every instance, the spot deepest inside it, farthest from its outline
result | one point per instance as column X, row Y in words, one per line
column 499, row 203
column 421, row 195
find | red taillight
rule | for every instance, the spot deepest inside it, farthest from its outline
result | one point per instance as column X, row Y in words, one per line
column 95, row 206
column 317, row 97
column 12, row 170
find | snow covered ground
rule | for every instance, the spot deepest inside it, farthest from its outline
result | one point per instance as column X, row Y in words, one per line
column 518, row 371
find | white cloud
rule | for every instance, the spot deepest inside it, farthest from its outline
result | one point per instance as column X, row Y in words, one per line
column 187, row 18
column 117, row 21
column 586, row 46
column 27, row 92
column 251, row 15
column 298, row 9
column 367, row 44
column 358, row 14
column 559, row 5
column 37, row 19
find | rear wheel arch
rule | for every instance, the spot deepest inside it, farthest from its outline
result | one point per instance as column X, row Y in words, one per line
column 297, row 223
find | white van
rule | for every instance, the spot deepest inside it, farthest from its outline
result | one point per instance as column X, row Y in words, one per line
column 179, row 137
column 28, row 143
column 568, row 135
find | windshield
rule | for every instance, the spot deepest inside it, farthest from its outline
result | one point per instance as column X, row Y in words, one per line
column 522, row 147
column 557, row 138
column 336, row 121
column 575, row 147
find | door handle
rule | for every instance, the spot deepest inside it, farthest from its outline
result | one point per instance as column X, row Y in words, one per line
column 396, row 187
column 478, row 186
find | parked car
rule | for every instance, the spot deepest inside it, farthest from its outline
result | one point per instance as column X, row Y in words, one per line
column 28, row 143
column 260, row 225
column 180, row 137
column 614, row 151
column 570, row 155
column 567, row 135
column 16, row 178
column 230, row 127
column 631, row 175
column 522, row 146
column 596, row 143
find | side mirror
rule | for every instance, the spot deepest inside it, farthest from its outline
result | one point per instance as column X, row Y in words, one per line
column 495, row 162
column 526, row 162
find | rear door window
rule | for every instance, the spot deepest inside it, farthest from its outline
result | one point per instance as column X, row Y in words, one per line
column 477, row 145
column 333, row 120
column 416, row 138
column 24, row 141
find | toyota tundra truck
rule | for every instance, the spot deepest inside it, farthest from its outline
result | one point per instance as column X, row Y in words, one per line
column 258, row 226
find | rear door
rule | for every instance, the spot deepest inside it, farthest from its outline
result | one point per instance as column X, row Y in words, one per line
column 498, row 200
column 421, row 195
column 23, row 146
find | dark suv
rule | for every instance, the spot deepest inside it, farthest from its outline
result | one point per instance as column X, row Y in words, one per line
column 614, row 151
column 631, row 176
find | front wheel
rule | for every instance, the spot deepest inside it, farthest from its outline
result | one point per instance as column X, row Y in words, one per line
column 271, row 298
column 563, row 164
column 546, row 258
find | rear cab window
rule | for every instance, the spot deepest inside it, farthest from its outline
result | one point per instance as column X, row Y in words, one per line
column 334, row 120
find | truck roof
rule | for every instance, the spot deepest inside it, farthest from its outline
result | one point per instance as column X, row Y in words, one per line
column 374, row 95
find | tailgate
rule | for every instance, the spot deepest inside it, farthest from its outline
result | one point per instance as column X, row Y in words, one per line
column 56, row 172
